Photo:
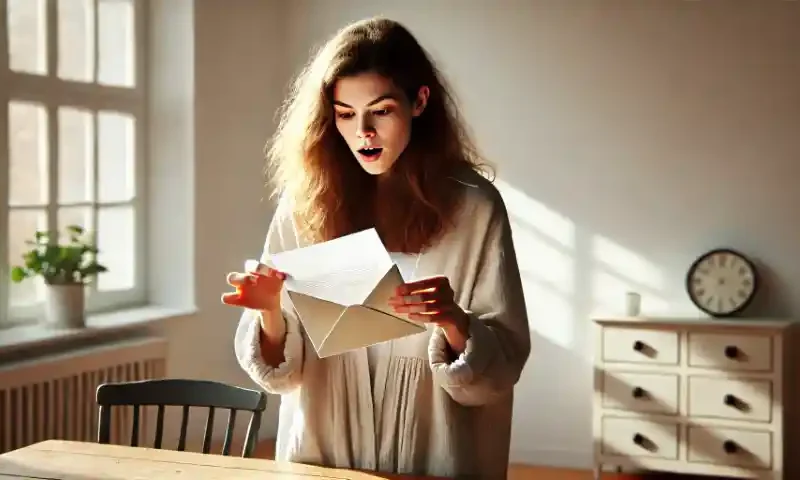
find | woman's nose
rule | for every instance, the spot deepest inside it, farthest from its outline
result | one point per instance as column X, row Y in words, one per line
column 365, row 130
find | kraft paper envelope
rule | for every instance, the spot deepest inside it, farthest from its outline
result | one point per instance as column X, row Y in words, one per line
column 340, row 290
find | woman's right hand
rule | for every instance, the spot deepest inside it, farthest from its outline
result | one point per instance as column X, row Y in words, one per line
column 257, row 289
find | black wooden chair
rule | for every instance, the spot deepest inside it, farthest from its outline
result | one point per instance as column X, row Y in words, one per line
column 185, row 393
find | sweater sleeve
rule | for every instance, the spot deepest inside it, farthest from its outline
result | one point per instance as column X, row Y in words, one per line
column 247, row 344
column 499, row 340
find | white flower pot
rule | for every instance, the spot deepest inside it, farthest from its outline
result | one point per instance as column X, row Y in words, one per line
column 64, row 306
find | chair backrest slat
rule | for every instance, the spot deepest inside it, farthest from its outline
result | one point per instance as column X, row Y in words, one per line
column 209, row 430
column 135, row 427
column 104, row 424
column 185, row 393
column 252, row 435
column 159, row 427
column 184, row 426
column 226, row 447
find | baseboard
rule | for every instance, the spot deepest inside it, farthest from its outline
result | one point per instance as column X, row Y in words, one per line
column 571, row 459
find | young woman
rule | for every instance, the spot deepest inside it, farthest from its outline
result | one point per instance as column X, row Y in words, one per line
column 370, row 138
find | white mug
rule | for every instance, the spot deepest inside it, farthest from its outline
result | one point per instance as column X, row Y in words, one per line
column 633, row 304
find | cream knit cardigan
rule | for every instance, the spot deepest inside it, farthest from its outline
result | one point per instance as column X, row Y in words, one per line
column 424, row 413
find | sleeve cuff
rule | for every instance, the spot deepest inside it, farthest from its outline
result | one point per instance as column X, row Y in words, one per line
column 481, row 348
column 285, row 376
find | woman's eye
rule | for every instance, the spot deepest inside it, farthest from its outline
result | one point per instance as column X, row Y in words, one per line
column 381, row 112
column 344, row 115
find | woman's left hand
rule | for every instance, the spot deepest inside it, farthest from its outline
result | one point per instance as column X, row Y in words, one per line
column 432, row 300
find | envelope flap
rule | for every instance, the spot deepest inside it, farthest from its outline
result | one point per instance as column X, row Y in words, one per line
column 317, row 316
column 361, row 326
column 385, row 288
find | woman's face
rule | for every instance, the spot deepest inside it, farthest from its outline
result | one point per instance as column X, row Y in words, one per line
column 374, row 118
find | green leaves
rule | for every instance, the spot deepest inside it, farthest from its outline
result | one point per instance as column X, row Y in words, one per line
column 74, row 262
column 18, row 274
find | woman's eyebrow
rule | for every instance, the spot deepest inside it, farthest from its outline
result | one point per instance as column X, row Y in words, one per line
column 385, row 96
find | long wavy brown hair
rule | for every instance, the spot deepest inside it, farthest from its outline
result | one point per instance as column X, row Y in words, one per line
column 331, row 195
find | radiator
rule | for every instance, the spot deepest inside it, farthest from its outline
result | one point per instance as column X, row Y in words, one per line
column 53, row 397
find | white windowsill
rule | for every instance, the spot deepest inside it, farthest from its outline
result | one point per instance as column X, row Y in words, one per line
column 24, row 337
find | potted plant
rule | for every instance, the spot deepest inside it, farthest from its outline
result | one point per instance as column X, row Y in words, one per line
column 65, row 269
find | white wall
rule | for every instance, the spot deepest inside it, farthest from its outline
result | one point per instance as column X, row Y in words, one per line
column 630, row 138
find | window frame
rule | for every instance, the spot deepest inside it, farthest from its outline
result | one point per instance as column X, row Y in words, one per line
column 51, row 92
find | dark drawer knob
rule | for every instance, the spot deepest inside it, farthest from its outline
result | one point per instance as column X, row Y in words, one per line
column 730, row 400
column 638, row 439
column 731, row 352
column 730, row 447
column 638, row 392
column 638, row 346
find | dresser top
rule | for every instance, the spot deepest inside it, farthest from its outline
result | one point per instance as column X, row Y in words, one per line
column 765, row 323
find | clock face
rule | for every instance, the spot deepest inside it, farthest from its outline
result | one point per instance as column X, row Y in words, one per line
column 721, row 282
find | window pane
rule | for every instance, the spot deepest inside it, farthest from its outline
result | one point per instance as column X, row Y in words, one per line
column 28, row 154
column 80, row 216
column 116, row 42
column 22, row 225
column 75, row 163
column 76, row 40
column 115, row 156
column 115, row 240
column 27, row 44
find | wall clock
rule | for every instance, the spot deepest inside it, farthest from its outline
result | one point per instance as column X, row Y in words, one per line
column 722, row 282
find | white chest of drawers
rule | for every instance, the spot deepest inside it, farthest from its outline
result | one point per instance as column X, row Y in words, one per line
column 704, row 397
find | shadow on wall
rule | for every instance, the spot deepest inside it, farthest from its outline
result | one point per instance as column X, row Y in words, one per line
column 570, row 274
column 773, row 297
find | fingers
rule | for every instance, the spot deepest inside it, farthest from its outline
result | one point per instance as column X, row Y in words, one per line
column 424, row 296
column 252, row 285
column 427, row 300
column 254, row 266
column 232, row 298
column 271, row 272
column 238, row 279
column 427, row 309
column 437, row 283
column 257, row 268
column 438, row 318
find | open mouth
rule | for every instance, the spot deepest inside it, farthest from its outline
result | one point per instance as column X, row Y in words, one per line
column 370, row 153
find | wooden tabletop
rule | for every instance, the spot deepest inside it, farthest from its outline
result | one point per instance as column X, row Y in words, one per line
column 63, row 460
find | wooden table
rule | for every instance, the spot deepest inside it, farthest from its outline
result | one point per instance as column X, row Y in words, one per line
column 63, row 460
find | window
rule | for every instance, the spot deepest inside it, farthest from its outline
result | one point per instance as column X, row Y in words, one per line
column 72, row 125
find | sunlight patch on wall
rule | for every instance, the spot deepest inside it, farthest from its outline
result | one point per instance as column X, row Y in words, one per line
column 627, row 263
column 619, row 270
column 544, row 242
column 547, row 222
column 550, row 313
column 538, row 259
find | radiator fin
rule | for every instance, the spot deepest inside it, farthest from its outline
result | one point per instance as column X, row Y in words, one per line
column 53, row 397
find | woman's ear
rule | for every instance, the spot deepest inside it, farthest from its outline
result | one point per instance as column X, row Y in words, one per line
column 421, row 101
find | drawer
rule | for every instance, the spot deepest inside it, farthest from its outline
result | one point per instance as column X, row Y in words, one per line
column 641, row 392
column 730, row 398
column 640, row 345
column 730, row 447
column 630, row 437
column 730, row 351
